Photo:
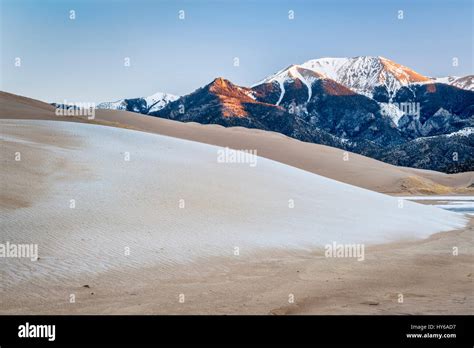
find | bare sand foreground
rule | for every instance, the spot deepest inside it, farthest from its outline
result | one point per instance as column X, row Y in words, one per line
column 279, row 269
column 430, row 278
column 323, row 160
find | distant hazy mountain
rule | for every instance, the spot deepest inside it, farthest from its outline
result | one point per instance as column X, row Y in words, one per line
column 142, row 105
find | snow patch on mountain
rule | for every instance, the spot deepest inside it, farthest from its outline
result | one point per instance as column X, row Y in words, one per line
column 154, row 102
column 463, row 132
column 465, row 82
column 117, row 105
column 291, row 74
column 159, row 100
column 308, row 84
column 326, row 66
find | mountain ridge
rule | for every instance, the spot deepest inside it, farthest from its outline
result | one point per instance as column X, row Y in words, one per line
column 368, row 105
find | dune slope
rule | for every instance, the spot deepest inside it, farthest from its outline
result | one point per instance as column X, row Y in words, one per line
column 173, row 202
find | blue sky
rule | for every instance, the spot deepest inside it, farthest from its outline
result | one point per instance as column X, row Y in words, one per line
column 83, row 59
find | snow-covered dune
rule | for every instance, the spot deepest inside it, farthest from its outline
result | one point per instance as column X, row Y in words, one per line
column 173, row 201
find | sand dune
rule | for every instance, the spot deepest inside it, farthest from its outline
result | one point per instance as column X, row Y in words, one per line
column 136, row 203
column 326, row 161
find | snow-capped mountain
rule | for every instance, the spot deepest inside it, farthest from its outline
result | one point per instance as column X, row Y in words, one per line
column 375, row 77
column 363, row 75
column 307, row 106
column 159, row 100
column 143, row 105
column 294, row 87
column 368, row 105
column 392, row 85
column 291, row 74
column 465, row 82
column 116, row 105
